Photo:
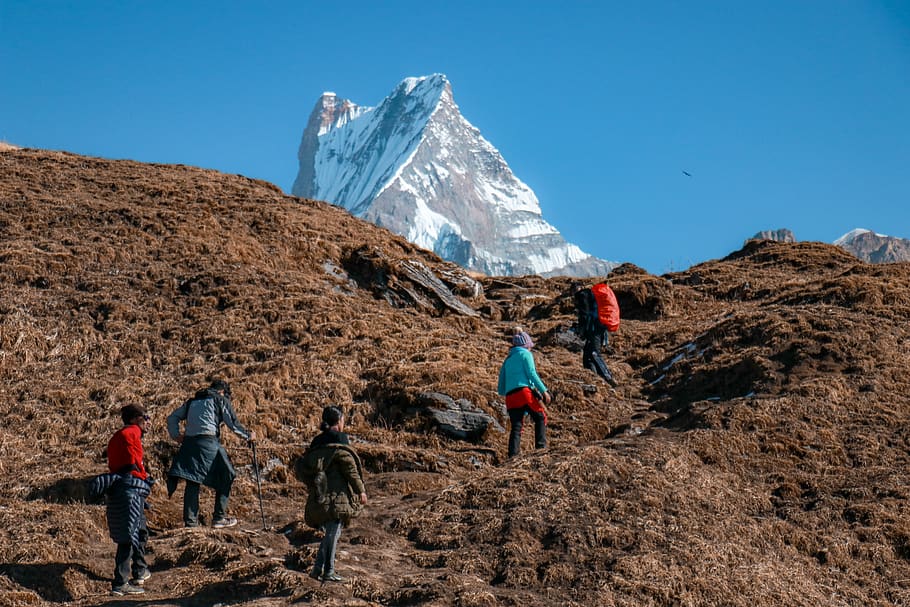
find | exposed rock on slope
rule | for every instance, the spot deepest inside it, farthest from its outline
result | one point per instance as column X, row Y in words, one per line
column 755, row 454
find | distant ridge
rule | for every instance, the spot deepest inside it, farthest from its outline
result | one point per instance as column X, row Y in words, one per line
column 865, row 244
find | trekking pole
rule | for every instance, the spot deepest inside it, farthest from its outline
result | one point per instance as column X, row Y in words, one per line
column 258, row 483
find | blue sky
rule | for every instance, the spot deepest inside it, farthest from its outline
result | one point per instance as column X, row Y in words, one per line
column 788, row 113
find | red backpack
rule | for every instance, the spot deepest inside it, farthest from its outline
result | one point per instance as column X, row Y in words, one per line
column 607, row 306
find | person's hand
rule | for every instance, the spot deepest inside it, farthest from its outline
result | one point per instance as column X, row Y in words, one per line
column 546, row 398
column 363, row 498
column 252, row 437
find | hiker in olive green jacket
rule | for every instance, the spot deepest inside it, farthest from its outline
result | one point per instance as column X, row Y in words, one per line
column 334, row 478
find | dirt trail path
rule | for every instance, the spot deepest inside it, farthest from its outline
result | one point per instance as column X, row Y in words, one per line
column 205, row 566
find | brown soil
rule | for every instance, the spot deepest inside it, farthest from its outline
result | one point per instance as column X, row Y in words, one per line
column 755, row 453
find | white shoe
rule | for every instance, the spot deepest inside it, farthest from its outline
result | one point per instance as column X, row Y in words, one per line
column 228, row 521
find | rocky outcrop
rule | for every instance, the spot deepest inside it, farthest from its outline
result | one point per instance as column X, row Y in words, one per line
column 780, row 235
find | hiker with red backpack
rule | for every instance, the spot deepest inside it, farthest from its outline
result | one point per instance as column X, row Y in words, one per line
column 598, row 314
column 525, row 393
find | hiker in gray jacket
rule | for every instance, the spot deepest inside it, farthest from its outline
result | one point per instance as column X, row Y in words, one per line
column 202, row 459
column 333, row 474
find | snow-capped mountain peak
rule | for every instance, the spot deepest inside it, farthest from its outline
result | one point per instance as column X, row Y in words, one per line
column 414, row 165
column 874, row 247
column 854, row 234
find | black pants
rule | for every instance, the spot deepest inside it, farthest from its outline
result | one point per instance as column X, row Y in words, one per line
column 130, row 558
column 516, row 419
column 591, row 358
column 191, row 504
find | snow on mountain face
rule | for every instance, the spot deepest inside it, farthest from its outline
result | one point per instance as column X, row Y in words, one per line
column 414, row 165
column 875, row 248
column 852, row 235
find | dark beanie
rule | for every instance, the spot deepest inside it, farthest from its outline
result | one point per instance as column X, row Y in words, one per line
column 221, row 386
column 331, row 415
column 130, row 412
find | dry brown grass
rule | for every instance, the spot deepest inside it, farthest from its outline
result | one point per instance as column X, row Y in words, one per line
column 755, row 452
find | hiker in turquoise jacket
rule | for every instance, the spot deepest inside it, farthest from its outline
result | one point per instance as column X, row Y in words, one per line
column 525, row 393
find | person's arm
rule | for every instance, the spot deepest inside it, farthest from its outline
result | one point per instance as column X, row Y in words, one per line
column 531, row 372
column 174, row 419
column 229, row 417
column 348, row 468
column 501, row 387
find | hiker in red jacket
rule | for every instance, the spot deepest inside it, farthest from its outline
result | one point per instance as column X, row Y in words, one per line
column 124, row 451
column 128, row 488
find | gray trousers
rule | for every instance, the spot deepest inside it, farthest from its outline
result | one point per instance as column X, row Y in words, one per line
column 325, row 558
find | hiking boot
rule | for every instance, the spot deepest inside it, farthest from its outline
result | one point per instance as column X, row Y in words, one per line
column 332, row 577
column 127, row 589
column 221, row 523
column 316, row 575
column 139, row 580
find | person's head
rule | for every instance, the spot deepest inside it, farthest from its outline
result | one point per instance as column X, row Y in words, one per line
column 219, row 385
column 332, row 417
column 522, row 340
column 133, row 414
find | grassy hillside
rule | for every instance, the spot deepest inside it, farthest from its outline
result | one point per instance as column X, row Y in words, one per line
column 755, row 452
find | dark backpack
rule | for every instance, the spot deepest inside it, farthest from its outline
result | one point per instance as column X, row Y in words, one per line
column 313, row 475
column 586, row 308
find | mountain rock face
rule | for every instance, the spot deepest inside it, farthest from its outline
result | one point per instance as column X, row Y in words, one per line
column 875, row 248
column 780, row 235
column 415, row 166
